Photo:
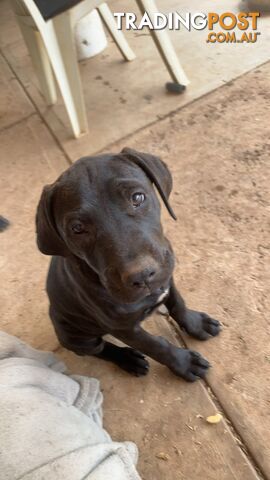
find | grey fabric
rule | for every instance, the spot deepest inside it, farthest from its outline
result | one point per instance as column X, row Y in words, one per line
column 51, row 422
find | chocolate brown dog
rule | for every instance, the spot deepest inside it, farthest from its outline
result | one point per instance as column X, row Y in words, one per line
column 112, row 265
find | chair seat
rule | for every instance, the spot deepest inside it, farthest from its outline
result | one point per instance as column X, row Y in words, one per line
column 49, row 9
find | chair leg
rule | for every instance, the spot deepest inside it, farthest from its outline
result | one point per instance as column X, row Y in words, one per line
column 164, row 45
column 57, row 36
column 65, row 63
column 38, row 55
column 116, row 34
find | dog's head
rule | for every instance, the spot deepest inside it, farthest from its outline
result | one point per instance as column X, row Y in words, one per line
column 105, row 211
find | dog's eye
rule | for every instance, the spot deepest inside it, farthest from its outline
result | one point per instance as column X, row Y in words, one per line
column 138, row 198
column 78, row 228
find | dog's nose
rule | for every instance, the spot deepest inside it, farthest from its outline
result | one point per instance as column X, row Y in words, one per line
column 141, row 279
column 139, row 276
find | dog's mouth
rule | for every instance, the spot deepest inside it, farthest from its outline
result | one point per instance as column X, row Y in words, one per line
column 148, row 285
column 130, row 296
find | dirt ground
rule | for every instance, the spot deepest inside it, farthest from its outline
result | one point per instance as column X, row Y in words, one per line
column 218, row 150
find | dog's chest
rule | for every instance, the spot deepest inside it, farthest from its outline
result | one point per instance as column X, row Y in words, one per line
column 162, row 296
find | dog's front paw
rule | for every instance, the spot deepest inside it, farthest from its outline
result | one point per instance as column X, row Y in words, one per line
column 188, row 364
column 133, row 361
column 200, row 325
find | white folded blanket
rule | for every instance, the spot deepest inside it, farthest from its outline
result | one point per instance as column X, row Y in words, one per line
column 51, row 422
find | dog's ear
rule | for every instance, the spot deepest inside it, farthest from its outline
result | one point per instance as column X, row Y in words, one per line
column 156, row 170
column 49, row 240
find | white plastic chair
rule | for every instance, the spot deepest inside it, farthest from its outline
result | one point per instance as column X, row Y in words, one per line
column 51, row 47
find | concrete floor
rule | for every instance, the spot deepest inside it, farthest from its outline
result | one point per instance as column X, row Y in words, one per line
column 218, row 151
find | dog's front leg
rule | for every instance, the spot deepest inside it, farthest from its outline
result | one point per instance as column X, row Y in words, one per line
column 196, row 324
column 185, row 363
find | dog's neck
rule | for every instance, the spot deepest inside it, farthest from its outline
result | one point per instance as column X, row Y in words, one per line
column 85, row 269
